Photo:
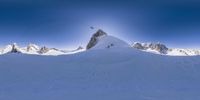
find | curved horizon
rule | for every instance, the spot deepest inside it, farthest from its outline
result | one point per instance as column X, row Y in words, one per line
column 66, row 24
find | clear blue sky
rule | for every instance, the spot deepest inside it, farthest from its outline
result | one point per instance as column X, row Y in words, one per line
column 66, row 23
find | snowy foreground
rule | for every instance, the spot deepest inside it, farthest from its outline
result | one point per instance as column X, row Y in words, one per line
column 103, row 74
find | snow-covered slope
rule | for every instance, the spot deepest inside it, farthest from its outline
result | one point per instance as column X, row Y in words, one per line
column 183, row 52
column 100, row 74
column 159, row 48
column 13, row 48
column 6, row 49
column 110, row 42
column 101, row 40
column 108, row 70
column 30, row 49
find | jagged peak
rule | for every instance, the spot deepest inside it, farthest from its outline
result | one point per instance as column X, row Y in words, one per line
column 32, row 47
column 99, row 32
column 161, row 48
column 43, row 49
column 15, row 48
column 101, row 40
column 95, row 37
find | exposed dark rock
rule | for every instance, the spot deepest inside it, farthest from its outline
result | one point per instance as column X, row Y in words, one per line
column 93, row 41
column 44, row 50
column 138, row 46
column 15, row 48
column 161, row 48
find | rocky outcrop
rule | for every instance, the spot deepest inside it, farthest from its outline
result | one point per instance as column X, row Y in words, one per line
column 43, row 50
column 138, row 46
column 94, row 39
column 15, row 48
column 161, row 48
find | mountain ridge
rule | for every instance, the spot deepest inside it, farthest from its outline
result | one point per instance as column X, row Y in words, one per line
column 36, row 50
column 159, row 48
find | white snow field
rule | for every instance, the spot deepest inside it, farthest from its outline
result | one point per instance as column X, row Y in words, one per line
column 110, row 70
column 100, row 74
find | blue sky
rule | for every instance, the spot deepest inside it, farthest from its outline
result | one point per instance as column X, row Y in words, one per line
column 66, row 23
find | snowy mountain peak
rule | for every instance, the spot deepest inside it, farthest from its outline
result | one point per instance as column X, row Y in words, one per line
column 95, row 37
column 32, row 47
column 7, row 49
column 158, row 47
column 100, row 40
column 15, row 48
column 99, row 33
column 43, row 50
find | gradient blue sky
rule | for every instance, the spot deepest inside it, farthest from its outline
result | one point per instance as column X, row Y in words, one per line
column 66, row 23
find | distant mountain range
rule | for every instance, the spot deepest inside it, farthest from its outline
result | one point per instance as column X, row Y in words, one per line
column 101, row 40
column 35, row 49
column 109, row 69
column 159, row 48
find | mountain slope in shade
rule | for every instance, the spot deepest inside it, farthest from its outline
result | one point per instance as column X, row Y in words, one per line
column 159, row 48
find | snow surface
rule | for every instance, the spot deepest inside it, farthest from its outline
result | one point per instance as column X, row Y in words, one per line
column 100, row 74
column 177, row 52
column 108, row 41
column 183, row 52
column 5, row 50
column 111, row 70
